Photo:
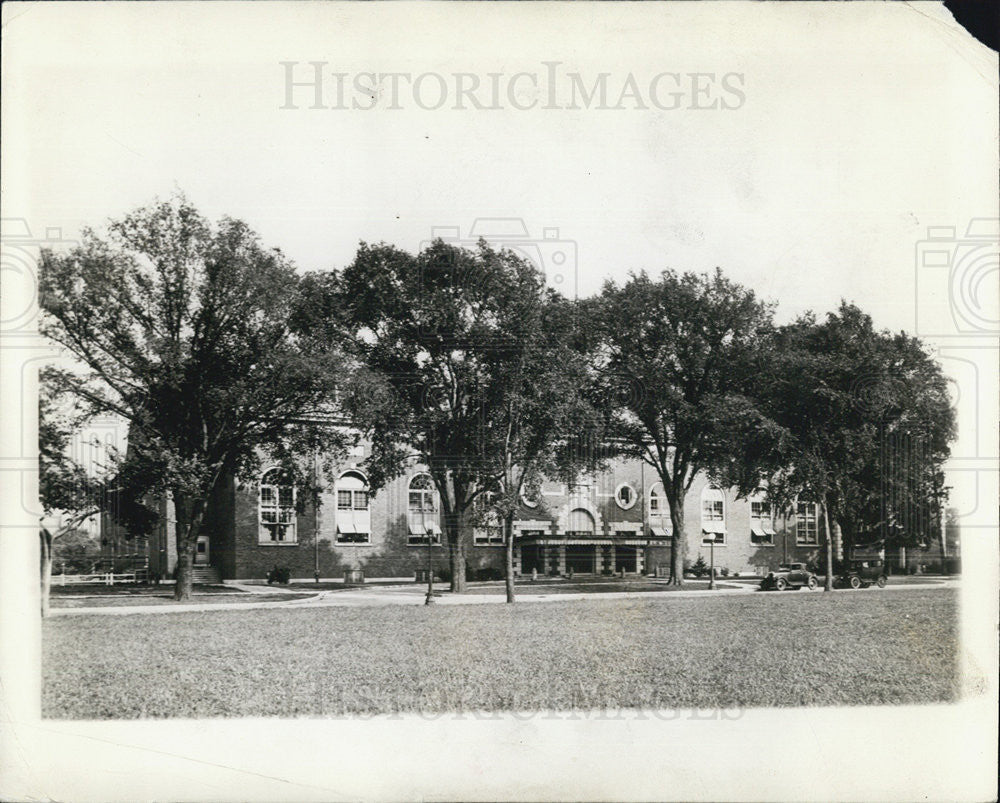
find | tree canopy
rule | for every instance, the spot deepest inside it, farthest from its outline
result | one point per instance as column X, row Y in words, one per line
column 678, row 359
column 181, row 328
column 463, row 360
column 868, row 423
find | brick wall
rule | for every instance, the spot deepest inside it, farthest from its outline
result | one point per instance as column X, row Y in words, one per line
column 237, row 552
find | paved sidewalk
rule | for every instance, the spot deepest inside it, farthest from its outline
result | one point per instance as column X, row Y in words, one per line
column 413, row 594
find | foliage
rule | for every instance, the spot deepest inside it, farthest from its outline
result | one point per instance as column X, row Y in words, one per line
column 678, row 359
column 279, row 574
column 868, row 424
column 75, row 552
column 63, row 485
column 181, row 328
column 464, row 363
column 699, row 568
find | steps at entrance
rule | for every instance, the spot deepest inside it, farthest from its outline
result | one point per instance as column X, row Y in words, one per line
column 205, row 574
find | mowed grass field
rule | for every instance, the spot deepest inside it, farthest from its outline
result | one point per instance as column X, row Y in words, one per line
column 790, row 649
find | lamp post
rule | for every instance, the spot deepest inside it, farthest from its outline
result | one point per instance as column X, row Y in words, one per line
column 315, row 501
column 429, row 600
column 711, row 564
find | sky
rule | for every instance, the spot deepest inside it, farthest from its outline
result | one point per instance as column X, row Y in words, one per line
column 804, row 149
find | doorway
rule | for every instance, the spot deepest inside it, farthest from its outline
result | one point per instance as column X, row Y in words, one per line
column 625, row 558
column 201, row 551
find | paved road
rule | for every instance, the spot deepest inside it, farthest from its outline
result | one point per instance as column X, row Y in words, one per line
column 412, row 594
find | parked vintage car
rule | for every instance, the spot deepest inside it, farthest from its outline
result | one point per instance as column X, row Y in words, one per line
column 788, row 575
column 861, row 574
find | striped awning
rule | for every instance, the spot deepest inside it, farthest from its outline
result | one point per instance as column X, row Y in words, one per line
column 555, row 541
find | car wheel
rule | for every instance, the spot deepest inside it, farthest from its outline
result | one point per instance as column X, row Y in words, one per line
column 855, row 582
column 812, row 583
column 781, row 584
column 882, row 580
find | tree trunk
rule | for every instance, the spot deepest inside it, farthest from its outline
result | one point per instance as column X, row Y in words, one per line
column 456, row 551
column 828, row 542
column 508, row 539
column 189, row 515
column 678, row 548
column 942, row 539
column 45, row 538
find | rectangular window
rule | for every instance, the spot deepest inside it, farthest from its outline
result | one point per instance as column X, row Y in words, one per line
column 761, row 528
column 488, row 536
column 806, row 529
column 352, row 537
column 277, row 515
column 421, row 502
column 361, row 500
column 343, row 500
column 714, row 510
column 713, row 538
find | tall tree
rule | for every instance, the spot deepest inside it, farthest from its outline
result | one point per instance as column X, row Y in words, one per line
column 678, row 357
column 448, row 342
column 181, row 328
column 544, row 424
column 868, row 423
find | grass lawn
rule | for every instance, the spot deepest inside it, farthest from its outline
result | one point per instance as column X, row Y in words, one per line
column 664, row 652
column 98, row 601
column 132, row 590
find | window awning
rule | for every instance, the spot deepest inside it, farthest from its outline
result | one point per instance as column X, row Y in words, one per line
column 417, row 529
column 346, row 527
column 760, row 530
column 433, row 528
column 660, row 532
column 714, row 527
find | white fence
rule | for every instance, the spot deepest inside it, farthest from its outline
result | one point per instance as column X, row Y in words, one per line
column 104, row 578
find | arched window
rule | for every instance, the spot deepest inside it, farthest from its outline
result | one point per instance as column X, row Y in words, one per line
column 276, row 508
column 761, row 524
column 580, row 522
column 657, row 501
column 353, row 509
column 660, row 524
column 713, row 516
column 423, row 511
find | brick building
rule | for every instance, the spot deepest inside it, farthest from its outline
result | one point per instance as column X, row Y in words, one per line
column 614, row 521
